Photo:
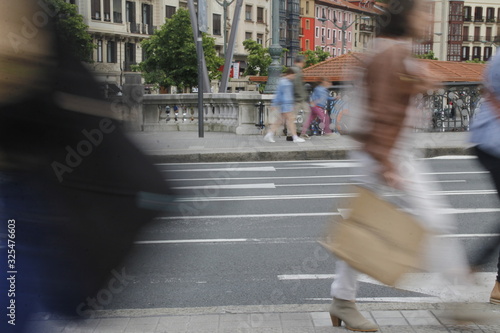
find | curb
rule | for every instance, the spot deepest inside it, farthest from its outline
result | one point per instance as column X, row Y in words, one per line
column 253, row 156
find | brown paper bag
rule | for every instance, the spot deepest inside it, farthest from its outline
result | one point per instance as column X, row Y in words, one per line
column 377, row 239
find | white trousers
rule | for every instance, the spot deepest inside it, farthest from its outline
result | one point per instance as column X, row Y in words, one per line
column 443, row 255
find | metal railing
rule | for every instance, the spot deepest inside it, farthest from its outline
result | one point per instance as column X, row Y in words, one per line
column 444, row 110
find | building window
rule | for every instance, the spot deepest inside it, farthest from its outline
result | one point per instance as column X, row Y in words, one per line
column 328, row 32
column 169, row 11
column 476, row 53
column 465, row 53
column 349, row 36
column 466, row 37
column 216, row 23
column 489, row 37
column 129, row 56
column 478, row 14
column 95, row 8
column 130, row 11
column 317, row 32
column 467, row 14
column 488, row 51
column 111, row 52
column 248, row 13
column 107, row 10
column 99, row 51
column 308, row 25
column 317, row 12
column 248, row 35
column 477, row 34
column 307, row 7
column 308, row 45
column 490, row 14
column 260, row 15
column 260, row 39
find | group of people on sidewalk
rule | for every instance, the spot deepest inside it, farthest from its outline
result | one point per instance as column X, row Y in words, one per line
column 292, row 97
column 386, row 84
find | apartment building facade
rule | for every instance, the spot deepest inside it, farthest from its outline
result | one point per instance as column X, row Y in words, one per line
column 465, row 30
column 326, row 23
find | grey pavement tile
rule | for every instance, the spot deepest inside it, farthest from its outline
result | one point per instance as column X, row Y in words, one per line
column 417, row 314
column 331, row 329
column 299, row 330
column 430, row 329
column 394, row 329
column 423, row 321
column 266, row 330
column 295, row 316
column 112, row 324
column 147, row 324
column 235, row 330
column 296, row 323
column 81, row 326
column 386, row 314
column 203, row 330
column 322, row 322
column 46, row 326
column 391, row 321
column 235, row 317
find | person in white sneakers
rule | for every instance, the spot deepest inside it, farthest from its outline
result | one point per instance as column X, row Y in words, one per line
column 284, row 102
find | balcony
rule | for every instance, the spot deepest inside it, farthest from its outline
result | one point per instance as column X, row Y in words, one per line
column 479, row 19
column 127, row 65
column 117, row 17
column 134, row 28
column 365, row 27
column 467, row 19
column 491, row 20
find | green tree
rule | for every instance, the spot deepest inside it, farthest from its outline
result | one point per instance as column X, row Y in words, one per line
column 170, row 54
column 315, row 57
column 476, row 61
column 258, row 59
column 72, row 31
column 429, row 55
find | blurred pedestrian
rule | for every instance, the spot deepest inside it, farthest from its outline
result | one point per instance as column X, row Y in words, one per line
column 301, row 95
column 485, row 134
column 283, row 103
column 387, row 82
column 74, row 191
column 319, row 100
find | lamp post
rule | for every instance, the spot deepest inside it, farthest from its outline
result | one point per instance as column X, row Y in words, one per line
column 274, row 70
column 224, row 5
column 343, row 27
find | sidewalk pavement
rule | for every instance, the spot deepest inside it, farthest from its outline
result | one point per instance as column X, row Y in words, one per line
column 312, row 318
column 392, row 317
column 182, row 147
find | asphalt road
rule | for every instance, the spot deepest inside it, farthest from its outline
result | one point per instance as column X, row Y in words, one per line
column 246, row 234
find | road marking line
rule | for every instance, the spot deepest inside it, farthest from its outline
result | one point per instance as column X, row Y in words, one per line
column 227, row 187
column 315, row 196
column 429, row 299
column 199, row 217
column 229, row 240
column 235, row 170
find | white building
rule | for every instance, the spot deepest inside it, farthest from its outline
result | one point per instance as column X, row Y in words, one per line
column 464, row 29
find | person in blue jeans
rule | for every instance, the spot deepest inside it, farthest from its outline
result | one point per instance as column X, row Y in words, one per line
column 284, row 102
column 319, row 100
column 485, row 134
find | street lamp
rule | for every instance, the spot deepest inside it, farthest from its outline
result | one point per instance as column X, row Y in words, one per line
column 275, row 49
column 343, row 28
column 225, row 4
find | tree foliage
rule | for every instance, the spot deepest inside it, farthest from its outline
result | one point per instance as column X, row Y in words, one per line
column 316, row 56
column 72, row 30
column 429, row 55
column 258, row 59
column 170, row 54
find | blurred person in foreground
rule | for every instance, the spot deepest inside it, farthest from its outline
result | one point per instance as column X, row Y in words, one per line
column 283, row 102
column 72, row 186
column 300, row 93
column 319, row 100
column 385, row 88
column 485, row 134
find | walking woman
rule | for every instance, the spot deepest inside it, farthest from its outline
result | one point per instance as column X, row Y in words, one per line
column 387, row 83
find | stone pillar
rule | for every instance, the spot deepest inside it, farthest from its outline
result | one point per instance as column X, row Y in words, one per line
column 133, row 93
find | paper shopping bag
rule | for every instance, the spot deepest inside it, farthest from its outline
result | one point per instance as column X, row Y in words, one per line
column 377, row 238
